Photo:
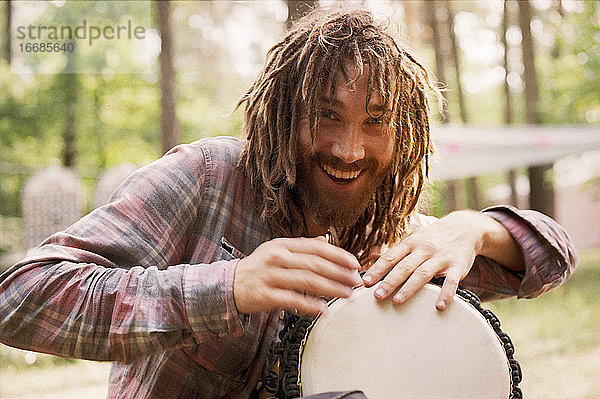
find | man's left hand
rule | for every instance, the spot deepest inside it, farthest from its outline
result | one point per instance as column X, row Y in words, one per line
column 446, row 247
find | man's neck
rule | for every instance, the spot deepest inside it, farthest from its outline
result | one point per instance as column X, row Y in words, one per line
column 312, row 228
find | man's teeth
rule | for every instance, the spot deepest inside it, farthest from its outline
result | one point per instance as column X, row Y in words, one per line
column 341, row 174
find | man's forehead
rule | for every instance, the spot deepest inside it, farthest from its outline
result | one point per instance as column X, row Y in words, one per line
column 342, row 83
column 376, row 104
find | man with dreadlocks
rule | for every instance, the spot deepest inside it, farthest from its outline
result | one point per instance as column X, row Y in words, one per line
column 180, row 279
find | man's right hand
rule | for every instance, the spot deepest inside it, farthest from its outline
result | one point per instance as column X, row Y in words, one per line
column 293, row 274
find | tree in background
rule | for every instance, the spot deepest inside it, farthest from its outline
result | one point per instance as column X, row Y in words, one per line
column 454, row 198
column 70, row 87
column 218, row 47
column 168, row 118
column 508, row 111
column 541, row 193
column 7, row 49
column 570, row 80
column 474, row 198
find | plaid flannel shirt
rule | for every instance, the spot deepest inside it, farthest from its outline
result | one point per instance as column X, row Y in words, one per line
column 147, row 281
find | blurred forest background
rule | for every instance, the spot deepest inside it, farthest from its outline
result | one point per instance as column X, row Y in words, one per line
column 123, row 103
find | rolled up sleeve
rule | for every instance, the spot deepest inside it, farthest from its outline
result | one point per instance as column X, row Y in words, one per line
column 549, row 253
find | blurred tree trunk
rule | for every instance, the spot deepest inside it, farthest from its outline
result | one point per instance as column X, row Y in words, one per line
column 559, row 8
column 98, row 130
column 512, row 174
column 168, row 118
column 70, row 86
column 474, row 197
column 541, row 194
column 454, row 197
column 456, row 64
column 7, row 44
column 71, row 91
column 297, row 9
column 413, row 22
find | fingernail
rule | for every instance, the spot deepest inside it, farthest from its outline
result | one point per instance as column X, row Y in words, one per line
column 367, row 279
column 380, row 292
column 399, row 298
column 441, row 304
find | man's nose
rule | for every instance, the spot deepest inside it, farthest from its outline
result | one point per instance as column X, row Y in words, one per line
column 349, row 146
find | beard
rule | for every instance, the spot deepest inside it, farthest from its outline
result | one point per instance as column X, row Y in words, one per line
column 327, row 206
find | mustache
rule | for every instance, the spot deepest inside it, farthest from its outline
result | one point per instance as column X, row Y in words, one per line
column 337, row 163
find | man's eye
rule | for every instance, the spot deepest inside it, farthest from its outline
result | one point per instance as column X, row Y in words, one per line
column 375, row 121
column 328, row 114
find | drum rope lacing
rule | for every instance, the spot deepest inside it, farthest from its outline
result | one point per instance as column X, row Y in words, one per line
column 296, row 328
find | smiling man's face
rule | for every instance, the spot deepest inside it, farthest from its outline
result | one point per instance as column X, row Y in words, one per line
column 351, row 155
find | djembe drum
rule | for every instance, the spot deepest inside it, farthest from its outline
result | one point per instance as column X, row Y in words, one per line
column 393, row 352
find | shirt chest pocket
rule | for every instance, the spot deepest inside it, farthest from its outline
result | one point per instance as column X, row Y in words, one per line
column 228, row 251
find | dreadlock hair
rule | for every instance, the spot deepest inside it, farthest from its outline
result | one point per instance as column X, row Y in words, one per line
column 297, row 71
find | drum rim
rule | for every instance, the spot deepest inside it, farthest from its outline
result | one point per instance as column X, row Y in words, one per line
column 291, row 379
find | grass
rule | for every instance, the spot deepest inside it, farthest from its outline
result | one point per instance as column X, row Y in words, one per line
column 75, row 380
column 556, row 336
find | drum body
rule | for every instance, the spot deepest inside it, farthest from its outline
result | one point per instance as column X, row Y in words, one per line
column 406, row 351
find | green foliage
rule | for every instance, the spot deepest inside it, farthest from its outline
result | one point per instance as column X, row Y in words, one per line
column 11, row 233
column 17, row 359
column 557, row 334
column 434, row 199
column 575, row 304
column 116, row 122
column 202, row 114
column 117, row 114
column 570, row 72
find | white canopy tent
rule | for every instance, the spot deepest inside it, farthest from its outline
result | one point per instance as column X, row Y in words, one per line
column 465, row 151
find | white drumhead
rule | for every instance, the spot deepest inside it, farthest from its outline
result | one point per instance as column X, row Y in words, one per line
column 407, row 351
